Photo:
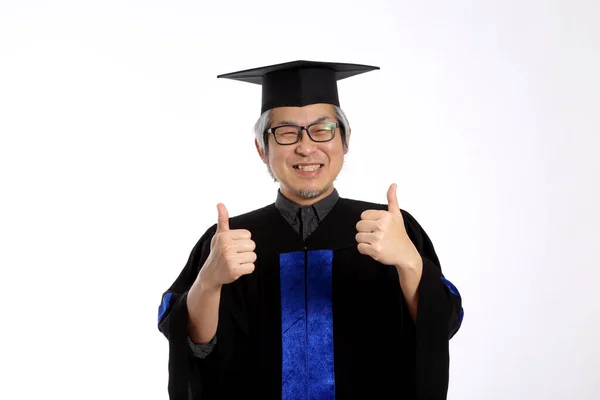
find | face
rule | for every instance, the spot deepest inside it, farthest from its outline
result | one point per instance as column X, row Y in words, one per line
column 292, row 165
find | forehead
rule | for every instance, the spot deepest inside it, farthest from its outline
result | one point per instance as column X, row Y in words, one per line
column 302, row 115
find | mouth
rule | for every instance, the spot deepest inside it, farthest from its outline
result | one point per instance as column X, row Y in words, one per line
column 308, row 167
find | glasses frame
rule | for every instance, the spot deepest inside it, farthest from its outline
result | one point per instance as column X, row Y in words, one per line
column 306, row 128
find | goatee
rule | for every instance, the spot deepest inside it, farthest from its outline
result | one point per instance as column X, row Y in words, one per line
column 310, row 193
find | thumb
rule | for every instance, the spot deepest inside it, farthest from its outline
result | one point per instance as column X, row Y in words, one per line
column 393, row 206
column 223, row 220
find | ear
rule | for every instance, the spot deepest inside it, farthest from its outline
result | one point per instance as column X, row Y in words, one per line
column 260, row 152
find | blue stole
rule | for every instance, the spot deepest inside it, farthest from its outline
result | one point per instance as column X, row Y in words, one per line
column 307, row 325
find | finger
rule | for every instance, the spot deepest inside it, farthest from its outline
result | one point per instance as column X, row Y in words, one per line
column 366, row 225
column 393, row 206
column 239, row 234
column 242, row 246
column 366, row 249
column 233, row 247
column 373, row 214
column 366, row 237
column 245, row 258
column 223, row 219
column 245, row 269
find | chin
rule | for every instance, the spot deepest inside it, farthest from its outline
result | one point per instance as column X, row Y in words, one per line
column 310, row 192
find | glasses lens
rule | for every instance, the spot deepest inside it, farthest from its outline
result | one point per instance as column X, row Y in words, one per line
column 322, row 132
column 286, row 134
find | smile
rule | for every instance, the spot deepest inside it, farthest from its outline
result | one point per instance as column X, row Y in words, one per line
column 311, row 167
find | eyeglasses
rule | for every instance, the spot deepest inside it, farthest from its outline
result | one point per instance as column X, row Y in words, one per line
column 290, row 134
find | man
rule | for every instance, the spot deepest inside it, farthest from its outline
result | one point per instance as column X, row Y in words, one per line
column 314, row 296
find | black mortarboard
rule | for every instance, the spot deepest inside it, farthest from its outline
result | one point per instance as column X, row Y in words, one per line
column 299, row 83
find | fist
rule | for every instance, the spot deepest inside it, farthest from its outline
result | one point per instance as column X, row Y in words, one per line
column 382, row 236
column 231, row 253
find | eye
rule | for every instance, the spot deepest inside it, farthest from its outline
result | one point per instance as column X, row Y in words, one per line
column 286, row 130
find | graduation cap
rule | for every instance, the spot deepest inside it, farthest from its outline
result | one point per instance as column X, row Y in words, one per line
column 299, row 83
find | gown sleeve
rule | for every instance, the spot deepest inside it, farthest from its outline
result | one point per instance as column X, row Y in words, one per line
column 184, row 367
column 439, row 317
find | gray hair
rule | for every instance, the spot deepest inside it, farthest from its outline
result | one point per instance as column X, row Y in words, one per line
column 264, row 121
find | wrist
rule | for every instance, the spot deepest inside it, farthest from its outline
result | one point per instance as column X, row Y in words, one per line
column 415, row 265
column 205, row 286
column 202, row 292
column 208, row 288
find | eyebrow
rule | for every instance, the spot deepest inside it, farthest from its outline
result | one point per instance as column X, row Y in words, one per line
column 288, row 122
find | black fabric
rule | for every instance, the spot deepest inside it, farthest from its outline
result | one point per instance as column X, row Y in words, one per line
column 298, row 83
column 404, row 360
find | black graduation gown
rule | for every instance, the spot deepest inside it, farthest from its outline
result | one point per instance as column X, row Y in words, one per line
column 316, row 319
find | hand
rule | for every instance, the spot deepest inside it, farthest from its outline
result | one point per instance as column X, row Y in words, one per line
column 382, row 235
column 231, row 253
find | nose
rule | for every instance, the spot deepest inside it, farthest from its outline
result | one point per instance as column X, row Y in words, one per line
column 305, row 145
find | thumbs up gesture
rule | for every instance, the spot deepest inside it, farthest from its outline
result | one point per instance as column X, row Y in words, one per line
column 231, row 253
column 382, row 236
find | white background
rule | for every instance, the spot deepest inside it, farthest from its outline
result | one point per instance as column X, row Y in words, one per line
column 117, row 141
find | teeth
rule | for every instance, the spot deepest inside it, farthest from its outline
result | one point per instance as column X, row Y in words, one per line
column 309, row 167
